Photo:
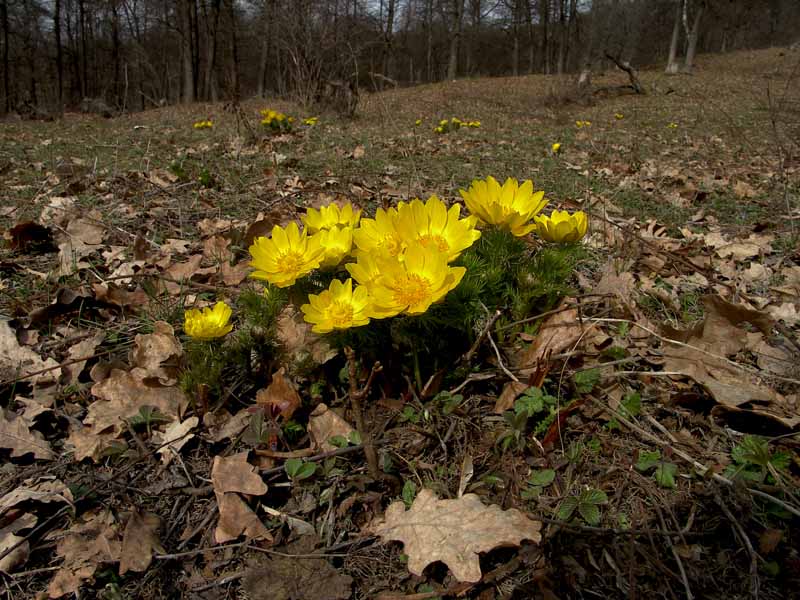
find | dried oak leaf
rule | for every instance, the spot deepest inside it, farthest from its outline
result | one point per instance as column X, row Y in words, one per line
column 236, row 518
column 139, row 541
column 122, row 395
column 280, row 399
column 235, row 474
column 84, row 348
column 286, row 578
column 510, row 392
column 323, row 424
column 299, row 341
column 47, row 489
column 157, row 355
column 175, row 436
column 9, row 538
column 17, row 361
column 89, row 543
column 87, row 443
column 16, row 436
column 453, row 531
column 559, row 332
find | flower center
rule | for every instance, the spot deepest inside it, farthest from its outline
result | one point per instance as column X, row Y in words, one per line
column 432, row 240
column 341, row 313
column 291, row 262
column 392, row 244
column 412, row 290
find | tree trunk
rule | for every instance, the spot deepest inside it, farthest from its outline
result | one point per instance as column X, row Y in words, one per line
column 184, row 24
column 545, row 4
column 9, row 104
column 455, row 38
column 265, row 42
column 429, row 40
column 386, row 63
column 672, row 60
column 694, row 34
column 531, row 39
column 59, row 55
column 515, row 38
column 115, row 45
column 234, row 51
column 82, row 33
column 562, row 38
column 210, row 79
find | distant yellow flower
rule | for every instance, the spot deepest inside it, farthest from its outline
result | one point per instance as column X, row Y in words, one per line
column 443, row 122
column 474, row 124
column 562, row 227
column 411, row 286
column 619, row 116
column 336, row 244
column 439, row 129
column 672, row 126
column 432, row 225
column 418, row 122
column 203, row 125
column 311, row 121
column 338, row 307
column 330, row 216
column 580, row 124
column 556, row 148
column 286, row 256
column 511, row 206
column 379, row 235
column 208, row 323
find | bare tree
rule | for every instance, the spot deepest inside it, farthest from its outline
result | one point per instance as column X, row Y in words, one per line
column 692, row 34
column 457, row 7
column 185, row 26
column 672, row 60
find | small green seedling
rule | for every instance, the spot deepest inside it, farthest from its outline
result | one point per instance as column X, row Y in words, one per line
column 147, row 416
column 664, row 473
column 587, row 503
column 585, row 381
column 630, row 406
column 537, row 482
column 297, row 469
column 409, row 493
column 754, row 461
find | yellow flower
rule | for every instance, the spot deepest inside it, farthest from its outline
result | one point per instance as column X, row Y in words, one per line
column 562, row 227
column 511, row 206
column 338, row 307
column 365, row 270
column 432, row 225
column 379, row 235
column 331, row 216
column 439, row 129
column 418, row 122
column 672, row 126
column 208, row 323
column 336, row 244
column 411, row 286
column 580, row 124
column 310, row 121
column 286, row 256
column 203, row 125
column 474, row 124
column 443, row 122
column 556, row 148
column 619, row 116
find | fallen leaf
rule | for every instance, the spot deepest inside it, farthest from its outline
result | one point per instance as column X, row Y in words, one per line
column 739, row 251
column 323, row 424
column 83, row 348
column 157, row 355
column 222, row 426
column 280, row 399
column 511, row 390
column 359, row 152
column 45, row 490
column 235, row 474
column 122, row 395
column 175, row 435
column 453, row 531
column 89, row 543
column 139, row 542
column 786, row 312
column 558, row 333
column 235, row 519
column 299, row 341
column 15, row 435
column 286, row 578
column 87, row 443
column 18, row 361
column 8, row 538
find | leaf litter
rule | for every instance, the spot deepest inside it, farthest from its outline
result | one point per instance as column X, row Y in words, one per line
column 697, row 320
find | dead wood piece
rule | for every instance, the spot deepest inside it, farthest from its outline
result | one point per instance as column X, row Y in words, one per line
column 636, row 85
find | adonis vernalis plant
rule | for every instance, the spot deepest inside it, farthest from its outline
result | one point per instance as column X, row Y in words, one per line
column 511, row 206
column 286, row 256
column 208, row 323
column 562, row 227
column 338, row 307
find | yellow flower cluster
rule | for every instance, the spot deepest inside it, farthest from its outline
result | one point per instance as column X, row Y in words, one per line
column 556, row 148
column 581, row 124
column 203, row 124
column 672, row 126
column 403, row 255
column 310, row 121
column 619, row 116
column 448, row 125
column 275, row 120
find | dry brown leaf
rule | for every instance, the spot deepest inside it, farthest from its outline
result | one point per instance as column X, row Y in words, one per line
column 17, row 361
column 511, row 390
column 16, row 436
column 235, row 519
column 453, row 531
column 157, row 355
column 299, row 341
column 558, row 333
column 121, row 397
column 286, row 578
column 739, row 251
column 45, row 490
column 87, row 443
column 216, row 249
column 222, row 426
column 323, row 424
column 235, row 474
column 786, row 312
column 89, row 543
column 83, row 348
column 139, row 542
column 182, row 272
column 279, row 399
column 8, row 538
column 236, row 274
column 175, row 435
